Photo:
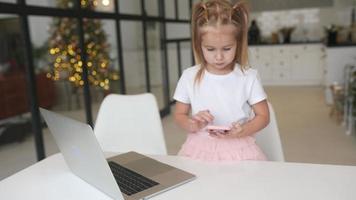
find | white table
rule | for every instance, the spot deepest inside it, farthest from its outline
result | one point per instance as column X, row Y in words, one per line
column 51, row 179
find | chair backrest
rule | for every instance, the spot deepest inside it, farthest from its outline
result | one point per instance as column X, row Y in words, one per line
column 268, row 139
column 130, row 123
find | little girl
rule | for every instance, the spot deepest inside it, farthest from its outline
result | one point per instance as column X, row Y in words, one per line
column 221, row 90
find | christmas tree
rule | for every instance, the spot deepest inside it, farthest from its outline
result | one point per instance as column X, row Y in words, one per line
column 65, row 60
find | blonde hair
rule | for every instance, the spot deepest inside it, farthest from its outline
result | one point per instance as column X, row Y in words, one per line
column 215, row 13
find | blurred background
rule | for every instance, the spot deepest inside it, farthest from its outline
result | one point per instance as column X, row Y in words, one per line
column 67, row 55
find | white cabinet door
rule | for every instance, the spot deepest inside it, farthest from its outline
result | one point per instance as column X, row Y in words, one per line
column 297, row 63
column 260, row 59
column 308, row 65
column 281, row 68
column 289, row 64
column 312, row 68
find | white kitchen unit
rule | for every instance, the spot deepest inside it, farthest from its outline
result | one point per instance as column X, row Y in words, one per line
column 289, row 64
column 337, row 58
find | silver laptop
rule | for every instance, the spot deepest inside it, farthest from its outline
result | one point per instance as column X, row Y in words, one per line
column 126, row 176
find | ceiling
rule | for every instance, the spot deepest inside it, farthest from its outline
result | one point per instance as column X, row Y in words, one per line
column 265, row 5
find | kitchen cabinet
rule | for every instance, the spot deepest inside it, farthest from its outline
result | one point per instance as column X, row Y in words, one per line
column 294, row 64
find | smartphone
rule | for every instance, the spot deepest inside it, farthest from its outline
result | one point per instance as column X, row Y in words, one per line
column 219, row 129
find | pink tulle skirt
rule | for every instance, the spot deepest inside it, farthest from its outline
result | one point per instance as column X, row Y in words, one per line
column 201, row 146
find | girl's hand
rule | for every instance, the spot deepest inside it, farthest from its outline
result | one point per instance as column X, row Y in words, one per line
column 236, row 131
column 200, row 120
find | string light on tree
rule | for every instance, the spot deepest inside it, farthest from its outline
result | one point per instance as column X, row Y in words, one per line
column 65, row 59
column 106, row 2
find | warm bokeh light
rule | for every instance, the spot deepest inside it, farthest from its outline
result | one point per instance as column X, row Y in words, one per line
column 106, row 2
column 64, row 51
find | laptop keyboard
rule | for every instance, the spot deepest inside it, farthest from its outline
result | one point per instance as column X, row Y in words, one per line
column 129, row 181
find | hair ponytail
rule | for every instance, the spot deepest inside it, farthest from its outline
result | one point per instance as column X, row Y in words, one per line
column 239, row 16
column 200, row 17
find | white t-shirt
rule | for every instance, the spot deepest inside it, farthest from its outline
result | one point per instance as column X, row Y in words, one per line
column 228, row 97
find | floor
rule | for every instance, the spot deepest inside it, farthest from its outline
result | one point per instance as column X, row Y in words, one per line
column 307, row 132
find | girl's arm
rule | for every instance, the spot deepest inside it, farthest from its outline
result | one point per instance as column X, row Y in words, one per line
column 260, row 120
column 194, row 123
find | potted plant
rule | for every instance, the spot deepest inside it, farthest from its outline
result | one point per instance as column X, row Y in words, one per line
column 331, row 34
column 286, row 33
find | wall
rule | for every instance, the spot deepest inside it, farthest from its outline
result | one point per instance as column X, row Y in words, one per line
column 309, row 22
column 270, row 5
column 258, row 5
column 344, row 3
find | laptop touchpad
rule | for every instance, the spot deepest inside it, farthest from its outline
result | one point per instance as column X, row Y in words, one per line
column 148, row 167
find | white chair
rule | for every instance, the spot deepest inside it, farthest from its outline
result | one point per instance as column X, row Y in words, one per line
column 268, row 139
column 130, row 123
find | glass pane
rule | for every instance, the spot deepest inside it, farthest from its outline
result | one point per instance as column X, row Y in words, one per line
column 186, row 55
column 39, row 27
column 57, row 54
column 130, row 7
column 99, row 5
column 173, row 68
column 169, row 9
column 12, row 67
column 51, row 39
column 109, row 27
column 183, row 9
column 152, row 7
column 133, row 55
column 103, row 68
column 155, row 61
column 7, row 1
column 15, row 119
column 177, row 30
column 65, row 4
